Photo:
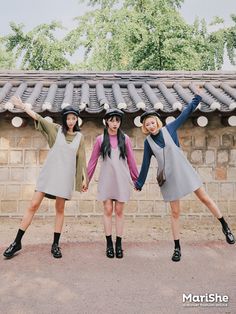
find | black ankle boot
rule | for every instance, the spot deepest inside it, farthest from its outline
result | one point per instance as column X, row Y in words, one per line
column 119, row 252
column 229, row 235
column 56, row 251
column 110, row 252
column 176, row 255
column 12, row 249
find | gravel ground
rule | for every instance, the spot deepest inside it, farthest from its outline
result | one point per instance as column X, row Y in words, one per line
column 144, row 281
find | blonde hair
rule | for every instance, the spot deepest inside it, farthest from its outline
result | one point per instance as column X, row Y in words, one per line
column 159, row 124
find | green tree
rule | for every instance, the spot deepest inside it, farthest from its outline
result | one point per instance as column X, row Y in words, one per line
column 38, row 49
column 7, row 59
column 148, row 35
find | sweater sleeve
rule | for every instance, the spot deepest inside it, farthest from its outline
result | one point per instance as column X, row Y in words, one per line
column 130, row 159
column 94, row 158
column 48, row 129
column 174, row 125
column 145, row 166
column 81, row 170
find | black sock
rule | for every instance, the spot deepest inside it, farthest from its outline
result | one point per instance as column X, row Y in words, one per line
column 56, row 238
column 223, row 223
column 118, row 241
column 109, row 241
column 19, row 236
column 177, row 244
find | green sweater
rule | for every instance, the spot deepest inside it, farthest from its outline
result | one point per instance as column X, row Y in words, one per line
column 49, row 131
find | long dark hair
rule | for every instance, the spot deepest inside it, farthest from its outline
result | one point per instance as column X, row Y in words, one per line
column 106, row 145
column 65, row 126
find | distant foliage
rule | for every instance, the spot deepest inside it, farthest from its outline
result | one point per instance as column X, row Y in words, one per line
column 38, row 49
column 126, row 35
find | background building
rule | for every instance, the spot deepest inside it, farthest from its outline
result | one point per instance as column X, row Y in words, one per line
column 208, row 138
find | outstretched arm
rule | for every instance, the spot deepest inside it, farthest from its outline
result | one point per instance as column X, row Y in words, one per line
column 173, row 126
column 17, row 102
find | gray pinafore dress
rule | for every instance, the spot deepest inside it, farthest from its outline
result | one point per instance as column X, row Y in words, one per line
column 58, row 173
column 181, row 178
column 114, row 181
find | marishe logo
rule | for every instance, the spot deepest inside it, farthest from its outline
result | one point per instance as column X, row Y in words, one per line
column 207, row 299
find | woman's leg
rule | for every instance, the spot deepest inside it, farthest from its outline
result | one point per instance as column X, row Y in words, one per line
column 175, row 227
column 119, row 218
column 107, row 221
column 175, row 214
column 107, row 216
column 26, row 221
column 205, row 199
column 60, row 208
column 59, row 220
column 211, row 205
column 31, row 210
column 119, row 215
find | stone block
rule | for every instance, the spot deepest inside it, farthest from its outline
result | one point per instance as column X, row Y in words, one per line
column 42, row 155
column 226, row 191
column 231, row 173
column 197, row 207
column 4, row 174
column 232, row 157
column 27, row 191
column 85, row 206
column 220, row 173
column 210, row 157
column 16, row 157
column 222, row 156
column 31, row 174
column 23, row 142
column 4, row 157
column 30, row 157
column 197, row 156
column 200, row 141
column 205, row 173
column 213, row 141
column 12, row 192
column 213, row 190
column 4, row 142
column 227, row 140
column 145, row 206
column 17, row 174
column 9, row 206
column 131, row 207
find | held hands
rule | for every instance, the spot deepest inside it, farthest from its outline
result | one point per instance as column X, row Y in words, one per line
column 17, row 102
column 84, row 187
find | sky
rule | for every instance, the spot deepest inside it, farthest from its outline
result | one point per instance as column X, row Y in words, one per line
column 32, row 13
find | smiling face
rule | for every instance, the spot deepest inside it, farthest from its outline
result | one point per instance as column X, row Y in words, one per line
column 71, row 121
column 150, row 124
column 113, row 124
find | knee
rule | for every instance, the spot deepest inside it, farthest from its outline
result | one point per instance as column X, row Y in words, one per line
column 175, row 213
column 119, row 212
column 108, row 211
column 34, row 206
column 60, row 209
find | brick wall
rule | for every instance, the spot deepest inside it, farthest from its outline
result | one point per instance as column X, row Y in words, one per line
column 211, row 150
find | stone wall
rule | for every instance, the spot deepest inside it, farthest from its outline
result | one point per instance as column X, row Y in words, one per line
column 211, row 150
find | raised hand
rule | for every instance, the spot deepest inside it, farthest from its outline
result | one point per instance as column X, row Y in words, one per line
column 17, row 102
column 199, row 89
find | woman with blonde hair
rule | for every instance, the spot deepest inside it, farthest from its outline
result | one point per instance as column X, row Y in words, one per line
column 176, row 176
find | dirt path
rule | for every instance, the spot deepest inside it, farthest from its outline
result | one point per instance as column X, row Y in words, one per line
column 146, row 281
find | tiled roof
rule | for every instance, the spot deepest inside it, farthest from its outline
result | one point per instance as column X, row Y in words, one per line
column 134, row 92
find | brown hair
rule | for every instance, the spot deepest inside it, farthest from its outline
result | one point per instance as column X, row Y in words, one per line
column 159, row 124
